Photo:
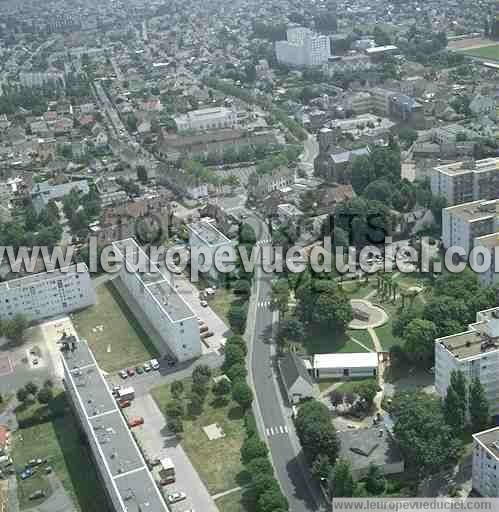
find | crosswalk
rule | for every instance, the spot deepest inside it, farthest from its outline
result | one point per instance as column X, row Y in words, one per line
column 264, row 304
column 267, row 241
column 275, row 431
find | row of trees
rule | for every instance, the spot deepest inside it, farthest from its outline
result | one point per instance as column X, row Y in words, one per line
column 80, row 210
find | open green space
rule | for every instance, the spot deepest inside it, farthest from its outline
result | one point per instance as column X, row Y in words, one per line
column 218, row 462
column 234, row 502
column 220, row 303
column 357, row 289
column 485, row 52
column 59, row 441
column 113, row 333
column 320, row 340
column 351, row 386
column 363, row 336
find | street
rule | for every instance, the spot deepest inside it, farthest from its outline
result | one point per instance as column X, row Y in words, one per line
column 287, row 456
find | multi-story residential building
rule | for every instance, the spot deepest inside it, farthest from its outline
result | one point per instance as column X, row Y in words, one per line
column 351, row 64
column 47, row 294
column 406, row 110
column 463, row 223
column 128, row 484
column 485, row 468
column 165, row 309
column 303, row 48
column 207, row 119
column 204, row 234
column 466, row 181
column 490, row 275
column 45, row 191
column 475, row 352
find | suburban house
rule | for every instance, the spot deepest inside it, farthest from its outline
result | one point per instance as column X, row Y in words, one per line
column 298, row 382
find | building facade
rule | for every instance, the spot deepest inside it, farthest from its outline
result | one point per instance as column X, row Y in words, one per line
column 162, row 305
column 485, row 468
column 48, row 294
column 45, row 191
column 475, row 353
column 207, row 119
column 466, row 181
column 127, row 482
column 303, row 48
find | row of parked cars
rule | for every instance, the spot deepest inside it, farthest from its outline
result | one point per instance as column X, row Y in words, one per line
column 148, row 366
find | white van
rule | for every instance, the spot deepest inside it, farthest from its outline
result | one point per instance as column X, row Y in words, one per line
column 154, row 364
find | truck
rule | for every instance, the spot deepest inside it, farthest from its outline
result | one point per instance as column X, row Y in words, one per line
column 125, row 394
column 167, row 471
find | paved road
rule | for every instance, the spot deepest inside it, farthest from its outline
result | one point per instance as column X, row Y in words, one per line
column 272, row 415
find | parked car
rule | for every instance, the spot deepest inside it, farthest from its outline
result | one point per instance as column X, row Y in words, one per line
column 131, row 372
column 26, row 473
column 154, row 364
column 147, row 367
column 139, row 370
column 123, row 404
column 123, row 374
column 135, row 421
column 115, row 390
column 203, row 303
column 176, row 497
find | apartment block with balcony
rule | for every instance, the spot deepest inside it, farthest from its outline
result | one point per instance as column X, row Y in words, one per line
column 485, row 468
column 466, row 181
column 47, row 294
column 463, row 223
column 475, row 353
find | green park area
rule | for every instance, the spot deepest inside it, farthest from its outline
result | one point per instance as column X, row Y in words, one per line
column 50, row 433
column 218, row 462
column 485, row 52
column 112, row 331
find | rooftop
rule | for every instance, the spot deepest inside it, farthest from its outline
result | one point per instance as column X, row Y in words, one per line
column 117, row 454
column 482, row 337
column 346, row 360
column 208, row 233
column 476, row 210
column 489, row 439
column 463, row 167
column 33, row 279
column 154, row 281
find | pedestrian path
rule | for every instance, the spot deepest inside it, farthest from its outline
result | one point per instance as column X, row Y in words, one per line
column 275, row 431
column 262, row 304
column 266, row 241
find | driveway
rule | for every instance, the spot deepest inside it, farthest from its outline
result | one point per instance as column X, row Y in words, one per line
column 158, row 442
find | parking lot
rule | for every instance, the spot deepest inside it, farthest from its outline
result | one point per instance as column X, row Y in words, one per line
column 157, row 442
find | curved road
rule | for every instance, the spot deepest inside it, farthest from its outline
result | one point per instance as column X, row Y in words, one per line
column 273, row 417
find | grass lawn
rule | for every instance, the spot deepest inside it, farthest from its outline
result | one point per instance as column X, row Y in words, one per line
column 357, row 289
column 59, row 441
column 351, row 385
column 322, row 341
column 485, row 52
column 363, row 336
column 234, row 502
column 217, row 462
column 121, row 331
column 220, row 303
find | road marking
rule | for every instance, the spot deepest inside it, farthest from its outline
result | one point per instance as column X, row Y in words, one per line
column 264, row 242
column 274, row 431
column 264, row 304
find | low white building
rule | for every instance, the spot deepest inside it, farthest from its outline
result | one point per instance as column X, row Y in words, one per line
column 297, row 380
column 485, row 468
column 475, row 353
column 288, row 213
column 345, row 365
column 47, row 294
column 166, row 310
column 207, row 119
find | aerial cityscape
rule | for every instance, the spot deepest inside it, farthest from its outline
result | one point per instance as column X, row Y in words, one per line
column 249, row 255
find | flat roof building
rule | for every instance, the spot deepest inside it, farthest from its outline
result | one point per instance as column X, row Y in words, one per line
column 466, row 181
column 122, row 469
column 160, row 302
column 207, row 119
column 38, row 296
column 357, row 364
column 485, row 468
column 475, row 353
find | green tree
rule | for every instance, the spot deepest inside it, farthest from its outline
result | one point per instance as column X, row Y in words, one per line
column 234, row 354
column 242, row 394
column 22, row 395
column 280, row 295
column 196, row 404
column 237, row 317
column 177, row 388
column 419, row 337
column 174, row 409
column 379, row 190
column 222, row 387
column 175, row 425
column 201, row 375
column 253, row 448
column 322, row 467
column 247, row 234
column 272, row 500
column 478, row 406
column 142, row 174
column 31, row 388
column 367, row 391
column 236, row 372
column 375, row 480
column 260, row 466
column 45, row 395
column 343, row 484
